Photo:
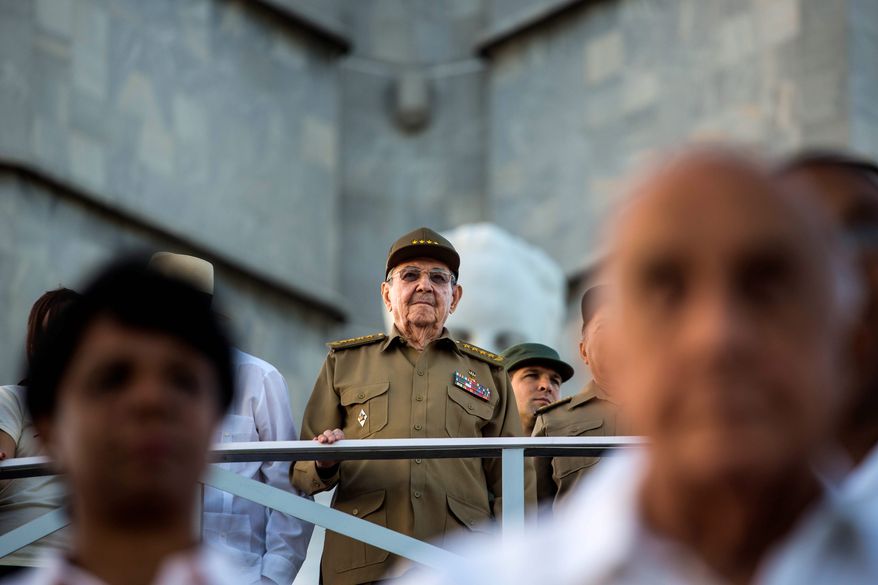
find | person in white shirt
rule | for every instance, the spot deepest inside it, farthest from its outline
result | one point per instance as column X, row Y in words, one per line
column 733, row 297
column 126, row 392
column 27, row 498
column 264, row 545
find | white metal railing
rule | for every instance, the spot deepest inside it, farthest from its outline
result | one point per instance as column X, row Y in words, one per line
column 512, row 450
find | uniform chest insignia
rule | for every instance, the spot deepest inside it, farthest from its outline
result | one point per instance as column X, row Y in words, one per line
column 471, row 385
column 362, row 417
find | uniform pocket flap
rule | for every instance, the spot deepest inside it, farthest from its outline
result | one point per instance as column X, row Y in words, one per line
column 564, row 466
column 362, row 505
column 359, row 394
column 473, row 517
column 471, row 404
column 580, row 427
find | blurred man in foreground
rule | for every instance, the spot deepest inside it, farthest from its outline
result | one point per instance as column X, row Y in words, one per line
column 592, row 412
column 126, row 391
column 536, row 373
column 732, row 299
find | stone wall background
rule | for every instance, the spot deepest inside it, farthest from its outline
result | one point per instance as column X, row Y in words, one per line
column 268, row 135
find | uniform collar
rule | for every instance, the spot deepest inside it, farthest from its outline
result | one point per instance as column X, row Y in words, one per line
column 396, row 339
column 591, row 390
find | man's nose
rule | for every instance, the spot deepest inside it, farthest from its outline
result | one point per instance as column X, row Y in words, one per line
column 716, row 326
column 424, row 282
column 148, row 394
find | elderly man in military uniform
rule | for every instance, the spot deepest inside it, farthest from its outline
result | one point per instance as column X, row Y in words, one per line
column 416, row 382
column 536, row 373
column 592, row 412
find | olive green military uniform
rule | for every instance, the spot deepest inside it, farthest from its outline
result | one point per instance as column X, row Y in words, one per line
column 377, row 387
column 589, row 413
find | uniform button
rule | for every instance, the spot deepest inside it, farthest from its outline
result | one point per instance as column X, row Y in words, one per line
column 418, row 461
column 355, row 511
column 361, row 395
column 417, row 427
column 469, row 406
column 420, row 372
column 417, row 494
column 419, row 398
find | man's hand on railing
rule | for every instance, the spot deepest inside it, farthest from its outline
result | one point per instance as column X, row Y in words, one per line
column 328, row 437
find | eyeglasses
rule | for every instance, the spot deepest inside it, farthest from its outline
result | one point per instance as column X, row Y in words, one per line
column 437, row 276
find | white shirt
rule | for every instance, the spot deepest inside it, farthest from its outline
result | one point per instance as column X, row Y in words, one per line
column 262, row 543
column 201, row 567
column 26, row 498
column 838, row 543
column 599, row 538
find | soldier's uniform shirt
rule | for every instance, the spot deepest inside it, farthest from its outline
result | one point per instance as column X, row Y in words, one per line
column 589, row 413
column 377, row 387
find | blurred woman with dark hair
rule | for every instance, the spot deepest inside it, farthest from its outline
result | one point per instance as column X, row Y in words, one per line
column 27, row 498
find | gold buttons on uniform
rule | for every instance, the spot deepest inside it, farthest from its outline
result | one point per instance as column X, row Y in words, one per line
column 420, row 372
column 417, row 494
column 418, row 461
column 361, row 395
column 419, row 398
column 417, row 427
column 355, row 511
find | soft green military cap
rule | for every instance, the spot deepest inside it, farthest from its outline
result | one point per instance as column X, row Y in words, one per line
column 422, row 243
column 536, row 354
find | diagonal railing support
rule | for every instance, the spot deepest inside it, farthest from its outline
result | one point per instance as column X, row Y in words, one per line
column 33, row 531
column 310, row 511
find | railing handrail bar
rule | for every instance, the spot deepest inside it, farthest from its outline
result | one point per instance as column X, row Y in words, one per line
column 428, row 448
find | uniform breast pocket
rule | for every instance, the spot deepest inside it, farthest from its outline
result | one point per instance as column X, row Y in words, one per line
column 366, row 408
column 564, row 466
column 465, row 415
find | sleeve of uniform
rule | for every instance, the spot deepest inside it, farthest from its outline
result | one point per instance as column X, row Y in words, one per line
column 323, row 412
column 546, row 488
column 286, row 537
column 507, row 424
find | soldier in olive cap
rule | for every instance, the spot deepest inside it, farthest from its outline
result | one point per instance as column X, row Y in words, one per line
column 417, row 382
column 592, row 412
column 536, row 373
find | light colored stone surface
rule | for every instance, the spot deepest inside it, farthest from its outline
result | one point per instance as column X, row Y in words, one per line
column 627, row 79
column 220, row 122
column 214, row 121
column 45, row 243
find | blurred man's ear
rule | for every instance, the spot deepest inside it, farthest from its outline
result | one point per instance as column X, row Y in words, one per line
column 583, row 353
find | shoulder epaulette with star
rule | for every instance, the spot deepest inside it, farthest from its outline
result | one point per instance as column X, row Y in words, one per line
column 478, row 352
column 356, row 341
column 553, row 405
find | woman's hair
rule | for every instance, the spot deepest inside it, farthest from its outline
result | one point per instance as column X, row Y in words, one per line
column 45, row 309
column 136, row 297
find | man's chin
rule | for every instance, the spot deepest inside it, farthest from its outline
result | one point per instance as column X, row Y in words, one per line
column 422, row 321
column 729, row 462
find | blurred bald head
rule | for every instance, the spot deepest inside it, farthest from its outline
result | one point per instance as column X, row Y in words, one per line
column 730, row 305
